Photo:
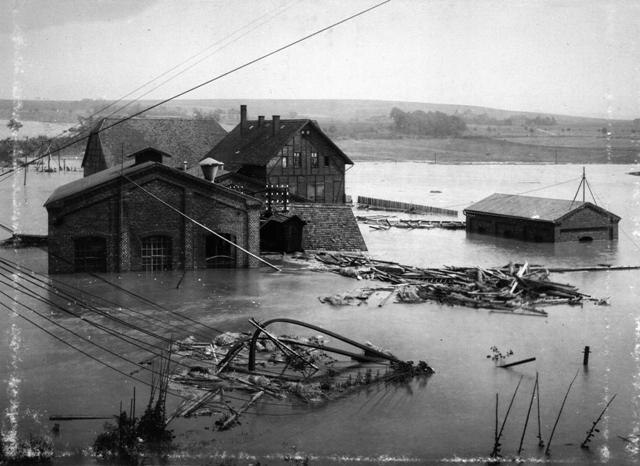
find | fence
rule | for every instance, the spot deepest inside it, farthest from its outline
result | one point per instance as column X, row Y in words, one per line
column 384, row 204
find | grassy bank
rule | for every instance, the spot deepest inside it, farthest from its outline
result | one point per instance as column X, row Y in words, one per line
column 480, row 150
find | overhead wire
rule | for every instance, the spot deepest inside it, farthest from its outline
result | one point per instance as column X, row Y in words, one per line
column 51, row 284
column 215, row 78
column 142, row 86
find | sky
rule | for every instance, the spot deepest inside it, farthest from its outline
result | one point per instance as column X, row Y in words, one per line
column 575, row 57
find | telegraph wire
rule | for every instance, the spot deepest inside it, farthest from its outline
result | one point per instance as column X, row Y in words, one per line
column 140, row 297
column 64, row 293
column 216, row 78
column 142, row 86
column 84, row 306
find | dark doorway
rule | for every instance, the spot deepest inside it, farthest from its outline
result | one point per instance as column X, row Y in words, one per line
column 90, row 254
column 219, row 253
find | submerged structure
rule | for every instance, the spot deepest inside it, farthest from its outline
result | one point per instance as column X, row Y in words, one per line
column 540, row 219
column 121, row 219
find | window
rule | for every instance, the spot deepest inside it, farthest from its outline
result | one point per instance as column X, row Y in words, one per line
column 156, row 253
column 285, row 161
column 297, row 160
column 219, row 253
column 326, row 160
column 90, row 254
column 314, row 160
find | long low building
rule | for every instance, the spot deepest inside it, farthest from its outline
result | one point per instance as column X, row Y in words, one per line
column 540, row 219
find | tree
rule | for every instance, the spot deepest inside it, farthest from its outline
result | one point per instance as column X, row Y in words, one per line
column 14, row 125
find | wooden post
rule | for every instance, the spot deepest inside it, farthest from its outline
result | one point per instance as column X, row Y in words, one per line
column 585, row 358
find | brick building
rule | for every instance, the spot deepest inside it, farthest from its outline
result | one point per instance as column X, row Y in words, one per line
column 106, row 222
column 541, row 220
column 188, row 140
column 293, row 152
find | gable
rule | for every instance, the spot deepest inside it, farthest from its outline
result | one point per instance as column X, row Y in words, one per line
column 257, row 143
column 589, row 213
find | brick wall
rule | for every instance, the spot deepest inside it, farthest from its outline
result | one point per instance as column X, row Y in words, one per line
column 99, row 213
column 587, row 223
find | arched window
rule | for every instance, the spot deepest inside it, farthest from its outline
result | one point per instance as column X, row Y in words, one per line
column 156, row 253
column 90, row 254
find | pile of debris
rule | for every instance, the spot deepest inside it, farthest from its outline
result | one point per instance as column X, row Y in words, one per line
column 285, row 368
column 384, row 222
column 513, row 288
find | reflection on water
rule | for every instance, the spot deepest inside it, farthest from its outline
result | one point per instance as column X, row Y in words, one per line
column 449, row 415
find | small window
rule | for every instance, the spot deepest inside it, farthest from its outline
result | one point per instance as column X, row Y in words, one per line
column 314, row 160
column 156, row 253
column 285, row 162
column 297, row 160
column 326, row 160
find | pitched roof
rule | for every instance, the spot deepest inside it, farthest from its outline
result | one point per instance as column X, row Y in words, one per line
column 330, row 227
column 184, row 139
column 531, row 208
column 101, row 178
column 257, row 144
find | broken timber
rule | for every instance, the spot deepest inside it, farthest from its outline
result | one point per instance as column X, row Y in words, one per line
column 516, row 289
column 227, row 376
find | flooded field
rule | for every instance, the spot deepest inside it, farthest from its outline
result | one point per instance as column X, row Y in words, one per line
column 448, row 417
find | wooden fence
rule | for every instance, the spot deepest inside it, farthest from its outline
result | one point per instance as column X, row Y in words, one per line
column 383, row 204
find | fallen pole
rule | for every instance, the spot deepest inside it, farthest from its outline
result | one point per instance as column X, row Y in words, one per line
column 77, row 418
column 496, row 447
column 546, row 452
column 526, row 421
column 585, row 443
column 517, row 363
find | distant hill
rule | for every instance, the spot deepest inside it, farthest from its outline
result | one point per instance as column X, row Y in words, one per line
column 60, row 111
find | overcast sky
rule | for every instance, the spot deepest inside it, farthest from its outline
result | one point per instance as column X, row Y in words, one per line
column 577, row 57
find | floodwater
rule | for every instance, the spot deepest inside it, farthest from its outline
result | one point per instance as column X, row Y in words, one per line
column 450, row 417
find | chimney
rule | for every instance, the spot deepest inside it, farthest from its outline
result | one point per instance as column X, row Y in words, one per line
column 260, row 121
column 243, row 118
column 210, row 168
column 276, row 124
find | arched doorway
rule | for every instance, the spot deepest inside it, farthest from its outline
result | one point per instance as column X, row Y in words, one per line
column 219, row 253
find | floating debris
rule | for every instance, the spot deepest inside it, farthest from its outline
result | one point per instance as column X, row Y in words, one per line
column 514, row 288
column 285, row 368
column 384, row 222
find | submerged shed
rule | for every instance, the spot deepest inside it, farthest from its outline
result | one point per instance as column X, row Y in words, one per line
column 540, row 219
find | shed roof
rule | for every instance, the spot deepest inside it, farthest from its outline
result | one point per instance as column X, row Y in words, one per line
column 256, row 145
column 185, row 139
column 101, row 178
column 530, row 207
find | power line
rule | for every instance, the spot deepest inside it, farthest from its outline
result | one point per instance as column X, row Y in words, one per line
column 216, row 78
column 58, row 290
column 94, row 114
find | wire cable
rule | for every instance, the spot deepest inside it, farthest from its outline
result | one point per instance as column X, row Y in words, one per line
column 216, row 78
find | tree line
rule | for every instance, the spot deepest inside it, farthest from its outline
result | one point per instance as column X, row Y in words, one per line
column 421, row 123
